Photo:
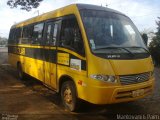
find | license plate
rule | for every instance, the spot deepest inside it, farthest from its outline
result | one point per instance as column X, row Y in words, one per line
column 137, row 93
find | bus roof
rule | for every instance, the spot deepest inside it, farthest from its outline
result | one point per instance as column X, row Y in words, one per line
column 95, row 7
column 48, row 14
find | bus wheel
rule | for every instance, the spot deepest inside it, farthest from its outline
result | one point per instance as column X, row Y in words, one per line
column 68, row 95
column 20, row 72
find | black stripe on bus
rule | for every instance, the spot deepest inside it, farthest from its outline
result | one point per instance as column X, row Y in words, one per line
column 48, row 55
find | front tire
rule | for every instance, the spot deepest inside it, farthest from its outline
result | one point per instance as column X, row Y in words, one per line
column 69, row 96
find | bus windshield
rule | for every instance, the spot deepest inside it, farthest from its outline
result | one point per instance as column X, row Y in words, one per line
column 111, row 30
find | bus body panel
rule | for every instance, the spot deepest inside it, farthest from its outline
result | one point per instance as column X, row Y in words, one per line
column 127, row 67
column 118, row 67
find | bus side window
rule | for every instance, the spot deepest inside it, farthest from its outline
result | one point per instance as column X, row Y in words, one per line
column 27, row 34
column 51, row 33
column 18, row 34
column 37, row 33
column 15, row 35
column 71, row 37
column 11, row 36
column 48, row 33
column 54, row 34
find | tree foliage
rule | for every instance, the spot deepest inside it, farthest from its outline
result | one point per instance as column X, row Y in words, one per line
column 145, row 38
column 158, row 28
column 3, row 41
column 154, row 46
column 24, row 4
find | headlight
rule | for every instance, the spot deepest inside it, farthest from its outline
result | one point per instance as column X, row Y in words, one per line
column 106, row 78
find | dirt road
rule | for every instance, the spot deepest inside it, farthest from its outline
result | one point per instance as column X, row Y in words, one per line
column 31, row 100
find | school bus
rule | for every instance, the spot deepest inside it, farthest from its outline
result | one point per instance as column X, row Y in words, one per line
column 84, row 52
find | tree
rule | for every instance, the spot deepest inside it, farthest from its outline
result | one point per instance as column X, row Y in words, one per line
column 24, row 4
column 145, row 38
column 3, row 41
column 154, row 46
column 158, row 28
column 147, row 35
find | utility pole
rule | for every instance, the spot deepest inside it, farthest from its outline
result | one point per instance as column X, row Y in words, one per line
column 37, row 11
column 106, row 4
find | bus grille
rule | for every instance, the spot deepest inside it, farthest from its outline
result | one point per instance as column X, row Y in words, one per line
column 133, row 79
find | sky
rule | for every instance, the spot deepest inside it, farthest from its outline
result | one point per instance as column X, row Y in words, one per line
column 143, row 13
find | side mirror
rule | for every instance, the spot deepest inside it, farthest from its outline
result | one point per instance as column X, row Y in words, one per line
column 145, row 38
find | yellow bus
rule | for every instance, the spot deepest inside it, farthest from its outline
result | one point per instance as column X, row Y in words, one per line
column 84, row 52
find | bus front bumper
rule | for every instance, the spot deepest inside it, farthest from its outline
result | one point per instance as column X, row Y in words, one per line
column 117, row 94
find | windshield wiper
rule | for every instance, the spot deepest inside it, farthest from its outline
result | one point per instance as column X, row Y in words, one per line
column 140, row 47
column 116, row 48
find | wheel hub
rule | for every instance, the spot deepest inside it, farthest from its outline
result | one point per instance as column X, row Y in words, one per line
column 68, row 96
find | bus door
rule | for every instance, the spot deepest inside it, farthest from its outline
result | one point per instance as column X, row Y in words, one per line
column 50, row 53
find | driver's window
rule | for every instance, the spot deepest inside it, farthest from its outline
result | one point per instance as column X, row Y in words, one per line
column 71, row 37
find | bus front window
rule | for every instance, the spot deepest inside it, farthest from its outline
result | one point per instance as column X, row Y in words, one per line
column 111, row 30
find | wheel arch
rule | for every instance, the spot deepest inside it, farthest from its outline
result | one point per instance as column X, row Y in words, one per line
column 63, row 79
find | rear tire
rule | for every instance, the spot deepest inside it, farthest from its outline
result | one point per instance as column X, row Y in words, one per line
column 69, row 96
column 21, row 74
